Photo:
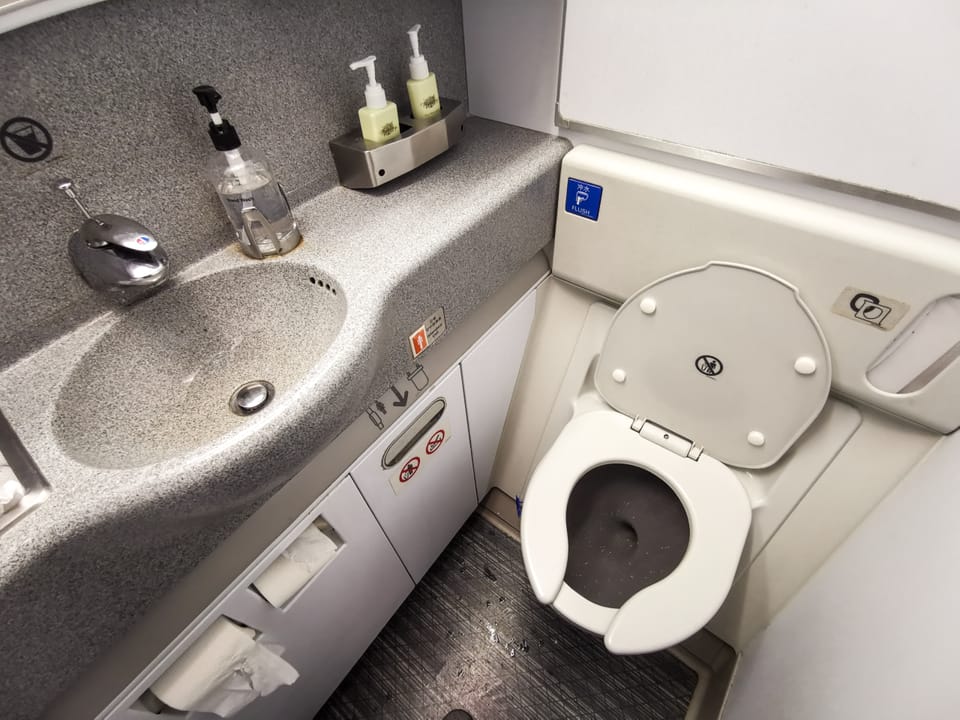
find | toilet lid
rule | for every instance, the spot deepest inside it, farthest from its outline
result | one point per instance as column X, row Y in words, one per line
column 726, row 355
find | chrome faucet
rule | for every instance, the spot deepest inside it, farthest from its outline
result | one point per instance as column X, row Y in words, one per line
column 115, row 254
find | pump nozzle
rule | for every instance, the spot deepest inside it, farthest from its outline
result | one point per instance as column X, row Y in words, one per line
column 418, row 63
column 414, row 34
column 221, row 132
column 208, row 97
column 376, row 97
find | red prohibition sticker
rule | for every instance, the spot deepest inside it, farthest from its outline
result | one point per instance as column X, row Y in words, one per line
column 435, row 441
column 410, row 469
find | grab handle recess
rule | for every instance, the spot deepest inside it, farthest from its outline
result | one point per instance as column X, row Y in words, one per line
column 414, row 433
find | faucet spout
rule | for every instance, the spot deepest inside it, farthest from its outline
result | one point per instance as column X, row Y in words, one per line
column 114, row 254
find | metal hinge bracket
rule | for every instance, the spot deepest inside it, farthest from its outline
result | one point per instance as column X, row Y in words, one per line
column 666, row 438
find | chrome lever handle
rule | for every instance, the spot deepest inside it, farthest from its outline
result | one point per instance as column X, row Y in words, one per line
column 69, row 188
column 114, row 253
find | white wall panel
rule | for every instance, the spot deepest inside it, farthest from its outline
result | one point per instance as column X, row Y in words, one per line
column 872, row 634
column 852, row 91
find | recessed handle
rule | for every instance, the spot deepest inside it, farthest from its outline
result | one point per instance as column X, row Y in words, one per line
column 415, row 432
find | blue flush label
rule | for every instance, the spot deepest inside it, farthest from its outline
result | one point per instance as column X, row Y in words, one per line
column 583, row 198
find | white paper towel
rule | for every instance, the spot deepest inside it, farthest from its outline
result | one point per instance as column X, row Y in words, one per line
column 223, row 671
column 290, row 572
column 11, row 491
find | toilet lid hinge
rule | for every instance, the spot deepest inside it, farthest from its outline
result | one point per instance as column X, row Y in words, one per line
column 666, row 438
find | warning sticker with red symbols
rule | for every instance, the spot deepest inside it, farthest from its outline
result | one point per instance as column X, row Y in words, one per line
column 435, row 441
column 428, row 333
column 409, row 469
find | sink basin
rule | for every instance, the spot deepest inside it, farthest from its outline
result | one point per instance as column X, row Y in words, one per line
column 158, row 384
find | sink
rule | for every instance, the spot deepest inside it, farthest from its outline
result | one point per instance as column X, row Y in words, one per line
column 158, row 384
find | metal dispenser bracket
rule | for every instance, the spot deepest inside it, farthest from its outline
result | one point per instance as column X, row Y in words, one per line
column 363, row 164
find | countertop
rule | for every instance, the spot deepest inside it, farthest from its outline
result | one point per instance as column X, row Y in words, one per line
column 79, row 571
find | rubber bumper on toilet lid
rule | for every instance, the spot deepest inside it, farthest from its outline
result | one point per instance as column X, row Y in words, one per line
column 726, row 355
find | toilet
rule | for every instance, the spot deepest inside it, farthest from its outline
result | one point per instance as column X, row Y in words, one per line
column 634, row 520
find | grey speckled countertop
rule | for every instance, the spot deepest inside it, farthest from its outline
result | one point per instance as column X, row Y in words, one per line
column 80, row 570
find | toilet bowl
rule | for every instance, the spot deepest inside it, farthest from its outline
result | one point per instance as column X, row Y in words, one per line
column 634, row 521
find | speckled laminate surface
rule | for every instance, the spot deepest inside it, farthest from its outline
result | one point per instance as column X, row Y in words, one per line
column 76, row 573
column 155, row 386
column 111, row 82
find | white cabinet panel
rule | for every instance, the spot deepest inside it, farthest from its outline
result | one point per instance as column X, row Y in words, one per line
column 423, row 498
column 490, row 372
column 326, row 627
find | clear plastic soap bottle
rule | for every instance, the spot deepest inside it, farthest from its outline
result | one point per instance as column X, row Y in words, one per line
column 379, row 120
column 253, row 199
column 422, row 85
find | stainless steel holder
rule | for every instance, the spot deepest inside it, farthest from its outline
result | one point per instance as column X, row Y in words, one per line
column 35, row 486
column 362, row 164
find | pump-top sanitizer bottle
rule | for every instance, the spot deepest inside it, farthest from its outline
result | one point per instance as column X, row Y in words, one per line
column 379, row 120
column 253, row 199
column 422, row 85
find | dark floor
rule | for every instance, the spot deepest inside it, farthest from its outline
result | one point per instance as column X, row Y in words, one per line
column 473, row 636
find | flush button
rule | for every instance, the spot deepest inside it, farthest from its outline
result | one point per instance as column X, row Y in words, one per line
column 619, row 375
column 756, row 438
column 805, row 365
column 648, row 306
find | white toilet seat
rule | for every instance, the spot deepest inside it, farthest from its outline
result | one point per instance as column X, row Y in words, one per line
column 674, row 608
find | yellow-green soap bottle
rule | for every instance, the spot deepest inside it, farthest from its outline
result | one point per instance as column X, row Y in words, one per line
column 379, row 121
column 422, row 85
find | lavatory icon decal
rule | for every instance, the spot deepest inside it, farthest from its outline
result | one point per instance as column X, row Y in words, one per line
column 868, row 308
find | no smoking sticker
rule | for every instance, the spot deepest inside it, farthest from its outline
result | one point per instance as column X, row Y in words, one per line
column 410, row 469
column 435, row 441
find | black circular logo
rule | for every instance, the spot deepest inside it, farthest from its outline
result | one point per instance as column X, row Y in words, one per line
column 709, row 365
column 25, row 139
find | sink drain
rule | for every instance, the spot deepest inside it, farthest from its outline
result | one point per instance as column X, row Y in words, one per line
column 251, row 397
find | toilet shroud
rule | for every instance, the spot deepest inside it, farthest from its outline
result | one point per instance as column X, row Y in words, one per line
column 714, row 366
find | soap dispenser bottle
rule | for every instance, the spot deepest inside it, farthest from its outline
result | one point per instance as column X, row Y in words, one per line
column 422, row 85
column 253, row 199
column 379, row 121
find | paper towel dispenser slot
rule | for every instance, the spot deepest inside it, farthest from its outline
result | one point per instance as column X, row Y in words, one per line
column 415, row 432
column 922, row 351
column 226, row 668
column 150, row 703
column 302, row 560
